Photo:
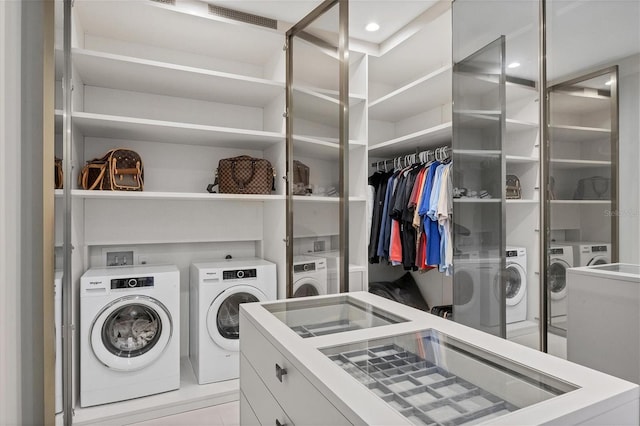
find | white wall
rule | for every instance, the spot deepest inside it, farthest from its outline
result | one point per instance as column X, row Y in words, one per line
column 10, row 406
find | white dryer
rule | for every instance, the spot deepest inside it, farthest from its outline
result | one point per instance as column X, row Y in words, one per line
column 516, row 284
column 560, row 259
column 129, row 333
column 217, row 290
column 591, row 254
column 57, row 291
column 309, row 276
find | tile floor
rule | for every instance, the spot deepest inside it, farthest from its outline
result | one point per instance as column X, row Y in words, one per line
column 219, row 415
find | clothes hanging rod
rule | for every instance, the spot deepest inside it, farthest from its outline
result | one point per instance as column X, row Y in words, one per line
column 414, row 156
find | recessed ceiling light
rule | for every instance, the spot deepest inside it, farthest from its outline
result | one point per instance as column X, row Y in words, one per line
column 514, row 65
column 372, row 26
column 609, row 83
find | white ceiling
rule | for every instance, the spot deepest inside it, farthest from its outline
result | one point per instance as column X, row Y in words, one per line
column 581, row 34
column 391, row 15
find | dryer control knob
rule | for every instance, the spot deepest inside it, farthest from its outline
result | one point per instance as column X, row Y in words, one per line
column 305, row 267
column 240, row 274
column 132, row 282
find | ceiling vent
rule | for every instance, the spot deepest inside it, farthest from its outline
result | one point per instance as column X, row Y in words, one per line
column 247, row 18
column 170, row 2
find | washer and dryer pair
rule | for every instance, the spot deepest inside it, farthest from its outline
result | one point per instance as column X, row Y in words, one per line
column 567, row 255
column 216, row 291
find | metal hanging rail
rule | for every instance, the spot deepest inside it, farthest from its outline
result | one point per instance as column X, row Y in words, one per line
column 440, row 154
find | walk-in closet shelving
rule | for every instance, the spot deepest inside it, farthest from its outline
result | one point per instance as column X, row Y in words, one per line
column 410, row 88
column 159, row 79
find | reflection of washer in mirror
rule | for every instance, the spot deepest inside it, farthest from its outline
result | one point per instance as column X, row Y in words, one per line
column 516, row 284
column 309, row 276
column 560, row 259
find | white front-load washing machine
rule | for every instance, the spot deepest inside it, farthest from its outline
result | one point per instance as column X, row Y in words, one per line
column 57, row 291
column 591, row 254
column 516, row 284
column 560, row 259
column 129, row 333
column 217, row 290
column 309, row 276
column 476, row 297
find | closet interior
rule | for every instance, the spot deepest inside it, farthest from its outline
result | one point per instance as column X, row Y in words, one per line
column 186, row 86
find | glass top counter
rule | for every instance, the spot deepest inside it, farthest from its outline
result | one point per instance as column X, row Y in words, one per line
column 319, row 317
column 622, row 268
column 434, row 379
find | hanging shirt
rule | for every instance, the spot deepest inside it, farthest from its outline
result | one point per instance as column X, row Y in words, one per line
column 379, row 180
column 385, row 228
column 443, row 212
column 371, row 196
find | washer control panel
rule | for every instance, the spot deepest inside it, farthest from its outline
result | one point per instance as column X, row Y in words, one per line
column 238, row 274
column 131, row 282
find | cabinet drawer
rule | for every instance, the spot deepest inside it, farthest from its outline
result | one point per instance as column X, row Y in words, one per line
column 247, row 415
column 303, row 403
column 264, row 405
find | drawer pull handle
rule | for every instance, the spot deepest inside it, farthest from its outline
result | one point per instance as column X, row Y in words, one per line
column 280, row 424
column 280, row 372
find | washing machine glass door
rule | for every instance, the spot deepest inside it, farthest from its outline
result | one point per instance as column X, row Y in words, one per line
column 463, row 294
column 598, row 260
column 515, row 284
column 130, row 333
column 558, row 278
column 306, row 287
column 223, row 317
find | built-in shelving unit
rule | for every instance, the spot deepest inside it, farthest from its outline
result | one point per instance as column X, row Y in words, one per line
column 582, row 168
column 410, row 94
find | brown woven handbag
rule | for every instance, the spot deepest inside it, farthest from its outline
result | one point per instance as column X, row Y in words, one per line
column 244, row 175
column 513, row 188
column 300, row 178
column 58, row 176
column 118, row 170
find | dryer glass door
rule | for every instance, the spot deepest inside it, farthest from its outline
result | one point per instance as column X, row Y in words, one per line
column 131, row 332
column 223, row 318
column 558, row 279
column 515, row 280
column 308, row 287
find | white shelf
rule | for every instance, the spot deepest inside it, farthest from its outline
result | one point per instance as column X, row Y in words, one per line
column 577, row 103
column 516, row 92
column 478, row 152
column 423, row 94
column 421, row 140
column 564, row 133
column 161, row 78
column 118, row 127
column 580, row 202
column 184, row 26
column 517, row 159
column 513, row 125
column 522, row 202
column 190, row 396
column 578, row 164
column 477, row 200
column 186, row 196
column 322, row 199
column 319, row 107
column 321, row 148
